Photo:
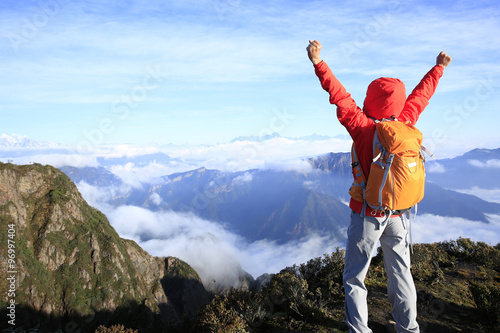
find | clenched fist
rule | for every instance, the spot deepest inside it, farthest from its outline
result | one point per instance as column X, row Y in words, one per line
column 313, row 50
column 443, row 59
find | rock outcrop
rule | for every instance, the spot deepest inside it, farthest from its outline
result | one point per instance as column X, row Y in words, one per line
column 72, row 268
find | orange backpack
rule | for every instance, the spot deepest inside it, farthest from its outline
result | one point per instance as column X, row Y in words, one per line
column 397, row 174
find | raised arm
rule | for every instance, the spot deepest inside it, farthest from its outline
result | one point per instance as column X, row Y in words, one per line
column 420, row 96
column 348, row 113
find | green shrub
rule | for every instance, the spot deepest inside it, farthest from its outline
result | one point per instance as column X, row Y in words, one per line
column 57, row 194
column 476, row 252
column 220, row 316
column 428, row 259
column 115, row 329
column 487, row 298
column 290, row 289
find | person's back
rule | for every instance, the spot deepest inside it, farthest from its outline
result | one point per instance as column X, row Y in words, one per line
column 385, row 98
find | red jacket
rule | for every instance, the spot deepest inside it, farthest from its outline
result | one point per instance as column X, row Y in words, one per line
column 385, row 97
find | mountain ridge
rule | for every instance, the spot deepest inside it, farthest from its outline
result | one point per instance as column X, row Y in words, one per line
column 71, row 265
column 255, row 202
column 474, row 168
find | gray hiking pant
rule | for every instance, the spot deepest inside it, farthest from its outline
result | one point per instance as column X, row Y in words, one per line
column 362, row 238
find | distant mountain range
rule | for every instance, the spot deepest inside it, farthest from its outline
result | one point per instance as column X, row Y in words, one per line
column 277, row 204
column 285, row 205
column 312, row 137
column 256, row 204
column 97, row 176
column 476, row 168
column 21, row 141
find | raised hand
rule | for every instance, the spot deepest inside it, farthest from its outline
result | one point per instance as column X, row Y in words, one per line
column 313, row 50
column 443, row 59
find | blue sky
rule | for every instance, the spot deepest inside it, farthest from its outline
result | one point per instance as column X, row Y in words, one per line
column 202, row 72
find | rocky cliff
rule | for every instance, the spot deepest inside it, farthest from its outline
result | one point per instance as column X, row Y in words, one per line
column 70, row 268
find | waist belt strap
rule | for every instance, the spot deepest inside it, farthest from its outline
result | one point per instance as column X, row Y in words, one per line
column 407, row 216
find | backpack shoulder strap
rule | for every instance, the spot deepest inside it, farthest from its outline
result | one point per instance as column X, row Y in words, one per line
column 356, row 165
column 358, row 188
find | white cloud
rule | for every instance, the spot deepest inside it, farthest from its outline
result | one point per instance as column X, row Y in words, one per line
column 86, row 56
column 125, row 150
column 155, row 199
column 435, row 168
column 207, row 246
column 244, row 178
column 428, row 228
column 107, row 44
column 100, row 196
column 213, row 251
column 344, row 201
column 136, row 176
column 297, row 164
column 276, row 153
column 485, row 194
column 309, row 184
column 489, row 164
column 217, row 254
column 55, row 159
column 266, row 256
column 449, row 146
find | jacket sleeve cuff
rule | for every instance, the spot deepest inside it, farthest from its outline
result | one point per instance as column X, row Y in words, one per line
column 319, row 64
column 439, row 69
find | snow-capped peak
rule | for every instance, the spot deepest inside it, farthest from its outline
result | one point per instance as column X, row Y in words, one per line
column 22, row 141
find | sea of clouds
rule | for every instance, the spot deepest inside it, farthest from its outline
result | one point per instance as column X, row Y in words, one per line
column 217, row 253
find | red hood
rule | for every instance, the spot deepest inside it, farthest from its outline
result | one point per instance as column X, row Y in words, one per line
column 385, row 97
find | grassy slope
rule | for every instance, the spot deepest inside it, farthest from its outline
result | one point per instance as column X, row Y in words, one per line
column 457, row 284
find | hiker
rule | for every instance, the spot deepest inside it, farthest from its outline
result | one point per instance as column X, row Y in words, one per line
column 385, row 98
